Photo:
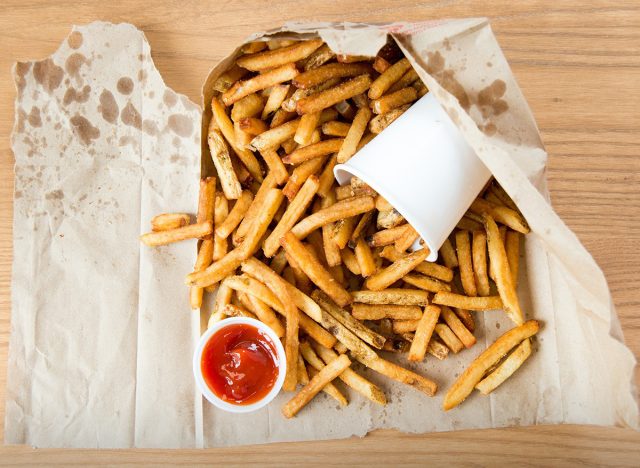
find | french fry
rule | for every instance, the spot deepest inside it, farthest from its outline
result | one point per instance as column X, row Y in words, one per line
column 500, row 265
column 326, row 177
column 387, row 237
column 426, row 268
column 343, row 229
column 331, row 249
column 506, row 368
column 500, row 193
column 378, row 312
column 282, row 56
column 303, row 375
column 366, row 138
column 277, row 95
column 222, row 161
column 274, row 137
column 266, row 315
column 344, row 58
column 388, row 78
column 512, row 247
column 479, row 250
column 360, row 187
column 354, row 135
column 345, row 109
column 192, row 231
column 389, row 219
column 203, row 260
column 316, row 150
column 291, row 336
column 350, row 261
column 258, row 228
column 319, row 57
column 382, row 121
column 288, row 275
column 365, row 259
column 314, row 361
column 454, row 323
column 223, row 297
column 400, row 374
column 168, row 221
column 344, row 192
column 308, row 124
column 315, row 385
column 392, row 296
column 468, row 224
column 466, row 318
column 259, row 82
column 228, row 78
column 501, row 214
column 253, row 47
column 437, row 349
column 407, row 79
column 425, row 329
column 388, row 102
column 339, row 210
column 380, row 64
column 275, row 165
column 329, row 389
column 466, row 302
column 300, row 175
column 251, row 286
column 251, row 126
column 248, row 106
column 361, row 228
column 405, row 326
column 290, row 104
column 420, row 87
column 238, row 211
column 273, row 44
column 232, row 310
column 296, row 208
column 396, row 270
column 220, row 213
column 280, row 117
column 241, row 138
column 319, row 75
column 217, row 270
column 463, row 248
column 448, row 254
column 464, row 385
column 327, row 98
column 450, row 339
column 407, row 239
column 335, row 128
column 425, row 282
column 267, row 185
column 302, row 280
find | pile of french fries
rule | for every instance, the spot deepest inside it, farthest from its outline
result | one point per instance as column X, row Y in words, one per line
column 328, row 268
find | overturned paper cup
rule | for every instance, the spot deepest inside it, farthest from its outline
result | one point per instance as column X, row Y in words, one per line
column 424, row 168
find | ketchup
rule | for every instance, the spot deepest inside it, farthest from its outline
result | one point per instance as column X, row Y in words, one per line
column 240, row 364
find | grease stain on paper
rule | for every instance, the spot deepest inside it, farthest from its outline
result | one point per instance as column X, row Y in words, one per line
column 83, row 129
column 48, row 74
column 74, row 95
column 130, row 116
column 125, row 85
column 181, row 125
column 108, row 107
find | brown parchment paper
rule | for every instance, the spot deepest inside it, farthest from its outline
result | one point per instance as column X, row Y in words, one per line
column 102, row 335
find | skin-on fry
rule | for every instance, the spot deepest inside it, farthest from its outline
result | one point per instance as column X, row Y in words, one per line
column 314, row 270
column 275, row 165
column 339, row 210
column 502, row 214
column 387, row 237
column 268, row 184
column 259, row 226
column 479, row 251
column 396, row 270
column 321, row 74
column 329, row 389
column 192, row 231
column 450, row 339
column 331, row 250
column 345, row 318
column 315, row 385
column 167, row 221
column 437, row 349
column 335, row 128
column 392, row 296
column 343, row 230
column 390, row 101
column 327, row 98
column 463, row 248
column 248, row 106
column 500, row 266
column 238, row 211
column 275, row 58
column 400, row 374
column 407, row 239
column 426, row 268
column 378, row 312
column 364, row 257
column 317, row 150
column 448, row 254
column 296, row 208
column 222, row 161
column 217, row 270
column 382, row 121
column 423, row 333
column 220, row 213
column 354, row 135
column 506, row 368
column 388, row 78
column 318, row 58
column 228, row 78
column 512, row 247
column 405, row 326
column 464, row 335
column 425, row 282
column 464, row 385
column 466, row 302
column 259, row 82
column 277, row 94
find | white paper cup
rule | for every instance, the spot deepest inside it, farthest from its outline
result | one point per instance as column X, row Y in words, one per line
column 208, row 393
column 422, row 165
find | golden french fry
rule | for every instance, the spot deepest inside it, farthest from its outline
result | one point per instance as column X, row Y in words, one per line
column 468, row 224
column 302, row 280
column 331, row 249
column 327, row 98
column 366, row 262
column 317, row 365
column 274, row 58
column 387, row 237
column 400, row 374
column 268, row 184
column 426, row 268
column 192, row 231
column 321, row 74
column 506, row 368
column 437, row 349
column 392, row 296
column 367, row 137
column 343, row 229
column 232, row 310
column 330, row 389
column 463, row 248
column 273, row 44
column 251, row 126
column 407, row 79
column 464, row 385
column 316, row 150
column 300, row 175
column 479, row 251
column 266, row 315
column 464, row 335
column 223, row 297
column 350, row 261
column 420, row 87
column 222, row 161
column 381, row 311
column 425, row 282
column 259, row 82
column 303, row 375
column 360, row 187
column 425, row 329
column 363, row 225
column 248, row 106
column 326, row 177
column 228, row 78
column 389, row 219
column 167, row 221
column 393, row 100
column 308, row 124
column 407, row 239
column 319, row 57
column 258, row 228
column 448, row 254
column 512, row 247
column 388, row 78
column 217, row 270
column 291, row 337
column 277, row 95
column 205, row 254
column 253, row 47
column 344, row 58
column 466, row 302
column 396, row 270
column 382, row 121
column 380, row 65
column 335, row 128
column 315, row 385
column 275, row 164
column 500, row 193
column 502, row 214
column 500, row 266
column 220, row 213
column 354, row 135
column 450, row 339
column 344, row 192
column 236, row 215
column 405, row 326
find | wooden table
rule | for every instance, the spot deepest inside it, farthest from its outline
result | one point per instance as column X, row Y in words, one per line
column 577, row 62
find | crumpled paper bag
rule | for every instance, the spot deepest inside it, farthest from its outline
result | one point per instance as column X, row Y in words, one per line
column 102, row 335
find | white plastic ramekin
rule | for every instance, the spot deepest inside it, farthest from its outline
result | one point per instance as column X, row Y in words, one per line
column 208, row 393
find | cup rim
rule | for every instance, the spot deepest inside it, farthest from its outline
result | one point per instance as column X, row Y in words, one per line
column 208, row 393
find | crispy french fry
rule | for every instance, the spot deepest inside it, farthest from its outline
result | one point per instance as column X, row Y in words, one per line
column 339, row 210
column 392, row 296
column 277, row 95
column 388, row 78
column 389, row 219
column 344, row 58
column 259, row 82
column 380, row 64
column 365, row 259
column 192, row 231
column 319, row 57
column 238, row 211
column 278, row 262
column 228, row 78
column 468, row 224
column 280, row 117
column 360, row 187
column 407, row 239
column 512, row 247
column 302, row 280
column 464, row 385
column 479, row 251
column 220, row 213
column 343, row 229
column 326, row 177
column 420, row 87
column 344, row 192
column 335, row 128
column 400, row 374
column 321, row 74
column 316, row 150
column 300, row 175
column 361, row 228
column 217, row 270
column 331, row 249
column 253, row 47
column 282, row 56
column 466, row 302
column 501, row 214
column 268, row 184
column 296, row 208
column 274, row 137
column 350, row 261
column 232, row 310
column 251, row 126
column 426, row 268
column 303, row 375
column 317, row 365
column 425, row 282
column 500, row 265
column 249, row 285
column 167, row 221
column 275, row 164
column 248, row 106
column 327, row 98
column 265, row 215
column 266, row 315
column 448, row 254
column 393, row 100
column 291, row 103
column 205, row 253
column 500, row 193
column 222, row 161
column 506, row 368
column 308, row 124
column 407, row 79
column 466, row 318
column 425, row 329
column 357, row 129
column 454, row 323
column 463, row 248
column 315, row 385
column 405, row 326
column 381, row 311
column 437, row 349
column 241, row 138
column 450, row 339
column 396, row 270
column 382, row 121
column 223, row 297
column 387, row 237
column 274, row 44
column 291, row 336
column 366, row 138
column 330, row 389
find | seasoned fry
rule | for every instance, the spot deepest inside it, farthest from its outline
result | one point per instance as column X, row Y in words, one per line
column 343, row 229
column 388, row 78
column 464, row 385
column 512, row 247
column 405, row 326
column 248, row 106
column 251, row 126
column 268, row 184
column 343, row 58
column 339, row 210
column 506, row 369
column 423, row 333
column 314, row 270
column 217, row 270
column 223, row 297
column 327, row 98
column 361, row 228
column 330, row 389
column 335, row 128
column 464, row 335
column 321, row 74
column 275, row 58
column 396, row 270
column 437, row 349
column 500, row 266
column 448, row 254
column 228, row 78
column 392, row 296
column 300, row 175
column 326, row 177
column 479, row 250
column 382, row 121
column 350, row 261
column 345, row 109
column 378, row 312
column 266, row 315
column 222, row 161
column 360, row 187
column 220, row 213
column 357, row 129
column 274, row 137
column 259, row 82
column 317, row 383
column 500, row 193
column 167, row 221
column 273, row 44
column 277, row 95
column 389, row 219
column 308, row 124
column 464, row 260
column 303, row 375
column 232, row 310
column 238, row 211
column 296, row 208
column 387, row 237
column 426, row 268
column 319, row 57
column 380, row 64
column 291, row 103
column 317, row 365
column 192, row 231
column 407, row 239
column 400, row 374
column 251, row 286
column 407, row 79
column 365, row 259
column 501, row 214
column 266, row 213
column 382, row 204
column 331, row 249
column 388, row 102
column 316, row 150
column 465, row 302
column 450, row 339
column 253, row 47
column 425, row 282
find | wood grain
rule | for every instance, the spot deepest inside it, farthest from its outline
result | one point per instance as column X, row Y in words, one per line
column 577, row 62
